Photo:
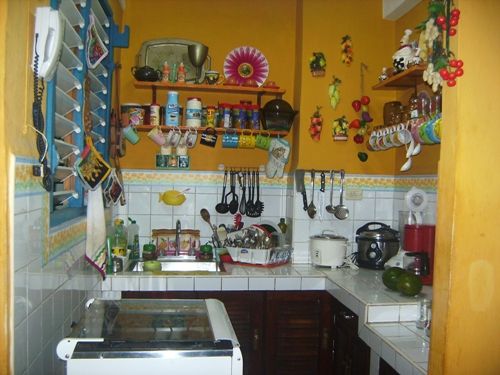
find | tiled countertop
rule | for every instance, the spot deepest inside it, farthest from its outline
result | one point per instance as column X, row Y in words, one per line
column 386, row 318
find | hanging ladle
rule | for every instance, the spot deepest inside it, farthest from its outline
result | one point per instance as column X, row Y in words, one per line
column 311, row 209
column 222, row 207
column 341, row 212
column 330, row 209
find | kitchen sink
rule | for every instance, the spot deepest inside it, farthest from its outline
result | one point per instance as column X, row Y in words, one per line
column 179, row 264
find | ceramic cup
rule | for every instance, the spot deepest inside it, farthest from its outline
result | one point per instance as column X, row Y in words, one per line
column 157, row 136
column 173, row 137
column 263, row 141
column 190, row 137
column 230, row 139
column 211, row 76
column 371, row 144
column 247, row 140
column 404, row 135
column 394, row 135
column 131, row 134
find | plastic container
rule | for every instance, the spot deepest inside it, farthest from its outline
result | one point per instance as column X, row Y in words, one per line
column 172, row 109
column 132, row 231
column 193, row 112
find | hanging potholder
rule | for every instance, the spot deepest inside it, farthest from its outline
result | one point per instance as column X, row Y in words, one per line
column 114, row 189
column 96, row 50
column 91, row 167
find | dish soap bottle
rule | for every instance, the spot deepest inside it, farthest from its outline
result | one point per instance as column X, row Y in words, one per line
column 119, row 245
column 132, row 231
column 282, row 225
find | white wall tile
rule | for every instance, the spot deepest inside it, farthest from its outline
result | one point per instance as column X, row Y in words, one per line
column 379, row 314
column 180, row 283
column 235, row 283
column 35, row 334
column 20, row 295
column 20, row 204
column 261, row 283
column 408, row 313
column 364, row 209
column 289, row 283
column 153, row 283
column 313, row 283
column 21, row 348
column 207, row 283
column 139, row 203
column 403, row 366
column 125, row 283
column 384, row 209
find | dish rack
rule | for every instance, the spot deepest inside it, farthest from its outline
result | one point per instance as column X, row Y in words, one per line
column 275, row 256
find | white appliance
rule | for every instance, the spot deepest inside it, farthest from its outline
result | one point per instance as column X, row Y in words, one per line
column 327, row 250
column 153, row 337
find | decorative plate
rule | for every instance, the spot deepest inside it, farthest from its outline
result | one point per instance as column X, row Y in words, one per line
column 246, row 63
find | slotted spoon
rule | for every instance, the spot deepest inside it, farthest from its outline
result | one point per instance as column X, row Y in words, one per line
column 330, row 209
column 341, row 211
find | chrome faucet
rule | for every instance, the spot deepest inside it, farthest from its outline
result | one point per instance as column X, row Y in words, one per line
column 177, row 237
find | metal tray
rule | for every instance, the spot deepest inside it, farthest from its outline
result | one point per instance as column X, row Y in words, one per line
column 155, row 52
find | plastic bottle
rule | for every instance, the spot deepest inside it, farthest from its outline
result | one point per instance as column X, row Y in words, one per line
column 172, row 109
column 136, row 249
column 119, row 243
column 181, row 73
column 132, row 231
column 282, row 225
column 166, row 72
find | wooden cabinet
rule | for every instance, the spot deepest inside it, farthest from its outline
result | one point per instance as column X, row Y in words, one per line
column 350, row 354
column 298, row 333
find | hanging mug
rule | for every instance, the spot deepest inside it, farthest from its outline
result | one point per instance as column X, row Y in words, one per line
column 230, row 139
column 209, row 137
column 190, row 137
column 263, row 141
column 131, row 134
column 157, row 136
column 247, row 139
column 173, row 137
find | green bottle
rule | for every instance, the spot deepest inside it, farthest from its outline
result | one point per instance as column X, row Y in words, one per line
column 282, row 225
column 119, row 245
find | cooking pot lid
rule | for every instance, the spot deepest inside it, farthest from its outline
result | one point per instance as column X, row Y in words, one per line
column 379, row 235
column 326, row 236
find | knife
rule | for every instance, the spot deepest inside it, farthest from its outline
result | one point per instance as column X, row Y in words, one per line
column 300, row 186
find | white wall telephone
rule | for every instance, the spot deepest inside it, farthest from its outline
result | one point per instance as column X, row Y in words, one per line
column 47, row 41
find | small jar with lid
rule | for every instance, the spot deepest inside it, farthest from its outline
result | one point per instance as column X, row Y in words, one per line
column 235, row 116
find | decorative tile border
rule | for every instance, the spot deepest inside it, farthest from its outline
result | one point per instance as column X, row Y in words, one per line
column 372, row 182
column 63, row 240
column 26, row 183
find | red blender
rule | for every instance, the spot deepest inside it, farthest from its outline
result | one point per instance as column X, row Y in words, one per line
column 419, row 246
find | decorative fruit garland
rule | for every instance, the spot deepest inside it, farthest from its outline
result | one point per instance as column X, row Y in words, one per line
column 437, row 30
column 346, row 50
column 316, row 125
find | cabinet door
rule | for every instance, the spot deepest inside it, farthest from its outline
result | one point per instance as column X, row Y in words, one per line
column 298, row 333
column 351, row 354
column 246, row 312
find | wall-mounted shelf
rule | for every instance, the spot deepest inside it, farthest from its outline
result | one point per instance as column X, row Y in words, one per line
column 258, row 91
column 404, row 80
column 272, row 133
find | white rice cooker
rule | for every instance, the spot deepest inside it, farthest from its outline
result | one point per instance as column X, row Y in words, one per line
column 327, row 250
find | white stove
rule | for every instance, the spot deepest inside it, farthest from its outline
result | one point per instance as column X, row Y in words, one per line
column 153, row 337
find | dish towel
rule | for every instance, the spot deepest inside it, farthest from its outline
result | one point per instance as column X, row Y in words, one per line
column 95, row 247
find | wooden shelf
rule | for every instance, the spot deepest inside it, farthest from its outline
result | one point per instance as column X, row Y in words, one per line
column 404, row 80
column 258, row 91
column 272, row 133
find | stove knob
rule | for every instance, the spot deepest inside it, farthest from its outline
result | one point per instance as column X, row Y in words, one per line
column 374, row 252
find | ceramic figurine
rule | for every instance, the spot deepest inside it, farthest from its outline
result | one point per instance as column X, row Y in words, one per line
column 406, row 55
column 383, row 76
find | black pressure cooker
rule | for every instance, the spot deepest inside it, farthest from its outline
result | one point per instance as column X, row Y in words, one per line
column 377, row 243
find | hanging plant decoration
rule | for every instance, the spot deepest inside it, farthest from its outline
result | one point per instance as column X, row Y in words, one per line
column 436, row 30
column 334, row 92
column 316, row 125
column 340, row 127
column 317, row 64
column 346, row 50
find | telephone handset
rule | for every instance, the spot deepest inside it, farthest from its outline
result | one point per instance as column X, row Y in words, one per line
column 49, row 33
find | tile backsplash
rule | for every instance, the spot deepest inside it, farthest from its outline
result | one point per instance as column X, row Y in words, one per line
column 382, row 199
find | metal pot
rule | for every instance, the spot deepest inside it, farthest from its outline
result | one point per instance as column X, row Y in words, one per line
column 327, row 250
column 376, row 245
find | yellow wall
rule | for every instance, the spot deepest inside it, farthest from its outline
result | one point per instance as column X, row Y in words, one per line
column 221, row 25
column 324, row 24
column 465, row 328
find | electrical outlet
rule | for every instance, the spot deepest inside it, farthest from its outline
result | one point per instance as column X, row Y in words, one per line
column 354, row 194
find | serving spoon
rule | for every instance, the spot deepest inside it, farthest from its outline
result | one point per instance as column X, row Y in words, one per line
column 330, row 209
column 341, row 211
column 311, row 209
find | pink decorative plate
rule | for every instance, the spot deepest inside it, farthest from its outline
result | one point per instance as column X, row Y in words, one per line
column 246, row 63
